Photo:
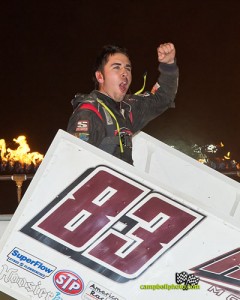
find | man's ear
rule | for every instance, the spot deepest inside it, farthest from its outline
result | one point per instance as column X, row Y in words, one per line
column 99, row 76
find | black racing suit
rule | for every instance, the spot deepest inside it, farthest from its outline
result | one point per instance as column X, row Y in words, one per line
column 109, row 125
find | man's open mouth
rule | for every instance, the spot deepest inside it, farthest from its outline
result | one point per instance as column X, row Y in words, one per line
column 124, row 86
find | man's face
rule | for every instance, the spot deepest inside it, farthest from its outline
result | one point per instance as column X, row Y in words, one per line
column 116, row 77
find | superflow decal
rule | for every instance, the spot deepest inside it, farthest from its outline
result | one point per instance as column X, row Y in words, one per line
column 30, row 263
column 112, row 224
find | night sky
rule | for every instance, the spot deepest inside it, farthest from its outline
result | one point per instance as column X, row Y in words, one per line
column 48, row 49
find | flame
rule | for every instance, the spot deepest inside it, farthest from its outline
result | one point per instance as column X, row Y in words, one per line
column 22, row 154
column 227, row 156
column 209, row 155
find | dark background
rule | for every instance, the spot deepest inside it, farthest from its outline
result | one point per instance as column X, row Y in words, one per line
column 47, row 50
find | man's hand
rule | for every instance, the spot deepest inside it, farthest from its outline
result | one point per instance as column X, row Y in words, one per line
column 166, row 53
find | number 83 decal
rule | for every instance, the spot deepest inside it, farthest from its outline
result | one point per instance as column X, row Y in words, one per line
column 112, row 223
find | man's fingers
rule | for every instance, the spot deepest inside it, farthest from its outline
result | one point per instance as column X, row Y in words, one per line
column 166, row 53
column 165, row 48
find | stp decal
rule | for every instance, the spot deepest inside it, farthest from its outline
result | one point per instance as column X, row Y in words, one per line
column 112, row 224
column 68, row 282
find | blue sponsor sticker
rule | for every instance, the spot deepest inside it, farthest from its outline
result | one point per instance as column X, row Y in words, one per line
column 30, row 263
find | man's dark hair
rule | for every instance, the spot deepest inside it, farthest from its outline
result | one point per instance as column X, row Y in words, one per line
column 103, row 57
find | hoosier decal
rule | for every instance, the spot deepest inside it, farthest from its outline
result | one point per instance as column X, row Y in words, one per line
column 11, row 277
column 112, row 224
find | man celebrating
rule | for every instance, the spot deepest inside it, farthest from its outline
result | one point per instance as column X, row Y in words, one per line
column 108, row 116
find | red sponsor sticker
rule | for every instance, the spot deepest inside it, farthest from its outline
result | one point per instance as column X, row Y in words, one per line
column 68, row 282
column 155, row 88
column 82, row 126
column 141, row 228
column 222, row 272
